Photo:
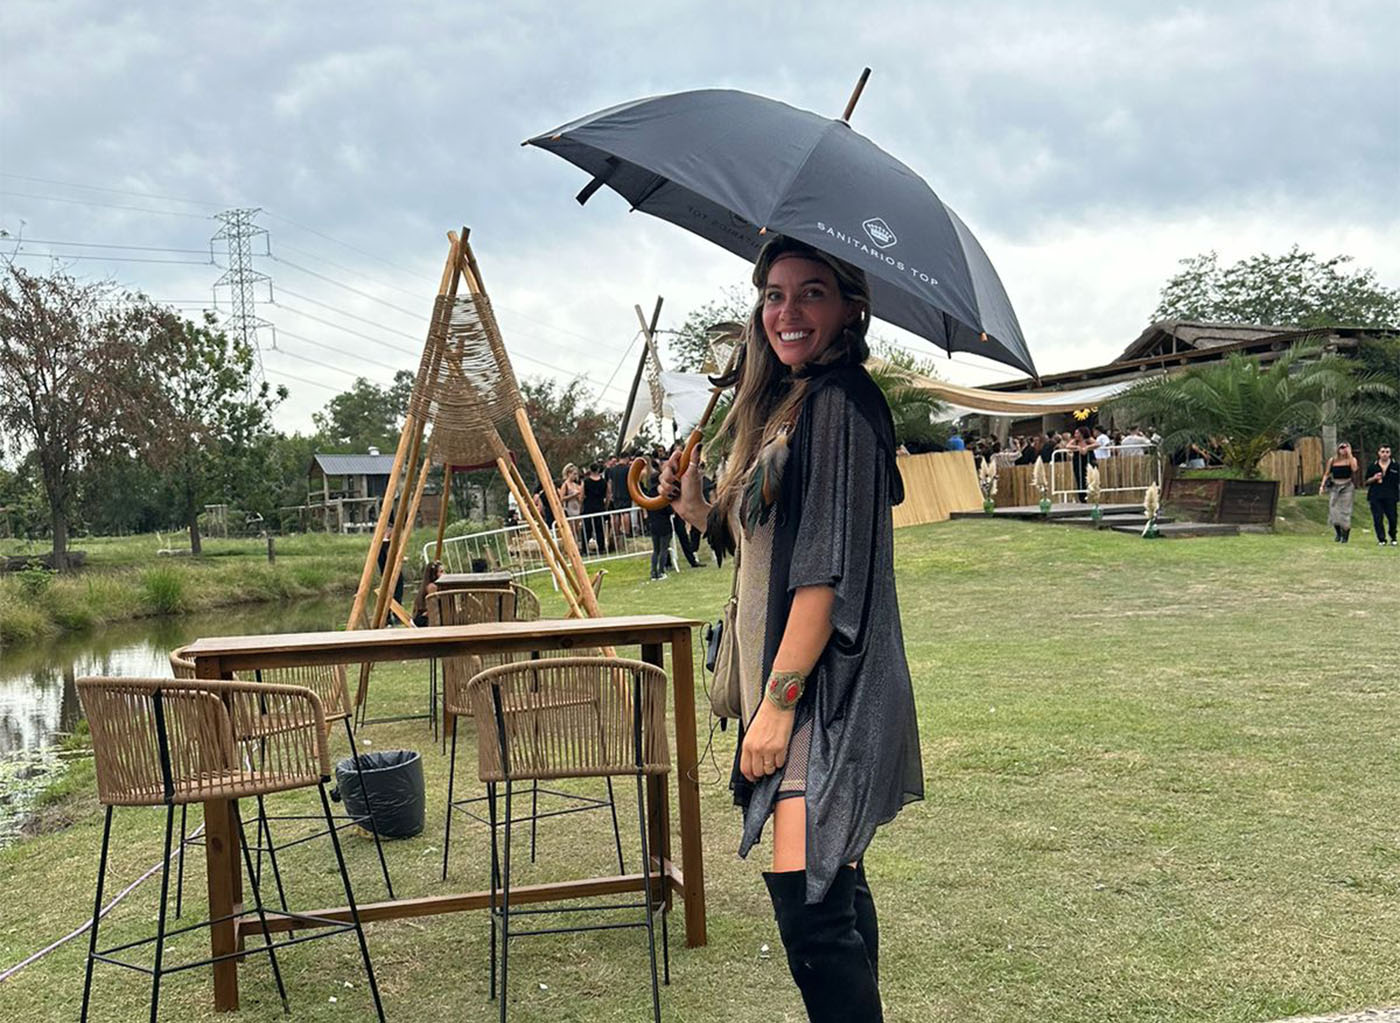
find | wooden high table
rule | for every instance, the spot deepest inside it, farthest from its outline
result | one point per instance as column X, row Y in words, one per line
column 221, row 657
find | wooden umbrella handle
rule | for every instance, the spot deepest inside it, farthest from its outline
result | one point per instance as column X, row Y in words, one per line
column 639, row 466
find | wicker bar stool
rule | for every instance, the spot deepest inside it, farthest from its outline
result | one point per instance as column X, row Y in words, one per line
column 329, row 684
column 569, row 717
column 469, row 606
column 527, row 604
column 172, row 742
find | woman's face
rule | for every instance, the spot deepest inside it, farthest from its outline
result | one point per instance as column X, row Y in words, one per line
column 803, row 311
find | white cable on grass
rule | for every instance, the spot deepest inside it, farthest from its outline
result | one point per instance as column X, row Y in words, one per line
column 106, row 909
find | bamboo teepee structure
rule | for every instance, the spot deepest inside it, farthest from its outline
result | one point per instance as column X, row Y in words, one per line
column 464, row 391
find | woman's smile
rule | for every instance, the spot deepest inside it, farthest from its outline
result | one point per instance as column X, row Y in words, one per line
column 803, row 311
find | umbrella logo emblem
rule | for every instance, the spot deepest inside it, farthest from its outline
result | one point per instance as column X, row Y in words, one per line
column 880, row 233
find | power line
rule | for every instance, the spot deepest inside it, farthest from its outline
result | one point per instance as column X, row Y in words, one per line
column 337, row 241
column 318, row 362
column 340, row 284
column 107, row 205
column 339, row 351
column 347, row 330
column 114, row 259
column 100, row 245
column 301, row 380
column 114, row 191
column 340, row 266
column 340, row 312
column 415, row 294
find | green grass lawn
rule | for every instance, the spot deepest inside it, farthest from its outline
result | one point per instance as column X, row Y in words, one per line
column 1161, row 785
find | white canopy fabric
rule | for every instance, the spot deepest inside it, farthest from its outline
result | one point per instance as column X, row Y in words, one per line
column 686, row 395
column 963, row 401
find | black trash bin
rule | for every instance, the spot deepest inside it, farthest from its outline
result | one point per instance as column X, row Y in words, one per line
column 394, row 780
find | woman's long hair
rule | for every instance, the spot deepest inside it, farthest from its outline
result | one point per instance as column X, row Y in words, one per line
column 769, row 394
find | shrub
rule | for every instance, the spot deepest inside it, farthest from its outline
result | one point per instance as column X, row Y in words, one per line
column 35, row 579
column 20, row 620
column 163, row 590
column 68, row 610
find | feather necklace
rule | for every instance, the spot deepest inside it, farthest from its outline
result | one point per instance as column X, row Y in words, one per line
column 765, row 480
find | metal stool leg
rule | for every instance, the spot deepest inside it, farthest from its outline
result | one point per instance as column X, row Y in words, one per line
column 451, row 777
column 432, row 696
column 350, row 901
column 651, row 904
column 96, row 912
column 665, row 943
column 180, row 876
column 534, row 816
column 617, row 835
column 265, row 829
column 258, row 905
column 505, row 908
column 495, row 877
column 369, row 808
column 160, row 919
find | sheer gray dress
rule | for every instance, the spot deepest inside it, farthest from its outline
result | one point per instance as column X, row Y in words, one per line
column 831, row 526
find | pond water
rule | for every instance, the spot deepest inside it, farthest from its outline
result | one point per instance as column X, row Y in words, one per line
column 38, row 697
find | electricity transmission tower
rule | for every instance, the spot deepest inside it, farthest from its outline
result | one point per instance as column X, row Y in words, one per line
column 242, row 280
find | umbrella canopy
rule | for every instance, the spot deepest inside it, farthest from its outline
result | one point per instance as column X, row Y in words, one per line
column 735, row 168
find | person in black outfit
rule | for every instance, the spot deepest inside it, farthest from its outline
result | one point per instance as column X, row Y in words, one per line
column 659, row 525
column 383, row 558
column 1383, row 493
column 619, row 500
column 595, row 501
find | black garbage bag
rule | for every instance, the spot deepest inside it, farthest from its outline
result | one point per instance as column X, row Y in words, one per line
column 393, row 779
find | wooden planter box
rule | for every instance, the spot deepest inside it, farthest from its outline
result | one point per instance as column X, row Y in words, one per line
column 1218, row 500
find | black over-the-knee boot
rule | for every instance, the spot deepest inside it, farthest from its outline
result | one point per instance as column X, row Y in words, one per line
column 866, row 922
column 825, row 951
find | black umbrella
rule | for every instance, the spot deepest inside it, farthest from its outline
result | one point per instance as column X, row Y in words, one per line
column 733, row 167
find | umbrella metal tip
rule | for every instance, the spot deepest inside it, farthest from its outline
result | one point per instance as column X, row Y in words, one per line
column 555, row 138
column 984, row 336
column 763, row 230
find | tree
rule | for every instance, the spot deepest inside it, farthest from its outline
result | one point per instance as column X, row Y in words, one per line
column 914, row 411
column 690, row 346
column 1369, row 420
column 566, row 422
column 1246, row 410
column 216, row 417
column 365, row 416
column 1295, row 289
column 78, row 377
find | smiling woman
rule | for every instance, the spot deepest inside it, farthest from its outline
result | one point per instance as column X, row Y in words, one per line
column 806, row 494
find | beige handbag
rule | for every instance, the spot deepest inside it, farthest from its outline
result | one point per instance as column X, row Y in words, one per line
column 722, row 657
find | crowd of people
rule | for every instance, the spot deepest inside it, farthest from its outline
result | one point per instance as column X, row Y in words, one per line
column 603, row 517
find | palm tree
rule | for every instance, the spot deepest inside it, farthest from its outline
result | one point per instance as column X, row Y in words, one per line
column 913, row 409
column 1247, row 410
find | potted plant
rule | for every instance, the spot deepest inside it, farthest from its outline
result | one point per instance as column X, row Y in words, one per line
column 1095, row 489
column 1150, row 506
column 1042, row 486
column 987, row 480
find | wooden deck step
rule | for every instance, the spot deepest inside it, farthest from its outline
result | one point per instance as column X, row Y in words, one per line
column 1177, row 530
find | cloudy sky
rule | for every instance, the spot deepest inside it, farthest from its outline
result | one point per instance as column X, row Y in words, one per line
column 1089, row 145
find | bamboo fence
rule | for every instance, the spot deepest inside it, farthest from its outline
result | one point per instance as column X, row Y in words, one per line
column 935, row 486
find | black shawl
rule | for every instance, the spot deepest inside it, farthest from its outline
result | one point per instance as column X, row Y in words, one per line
column 834, row 528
